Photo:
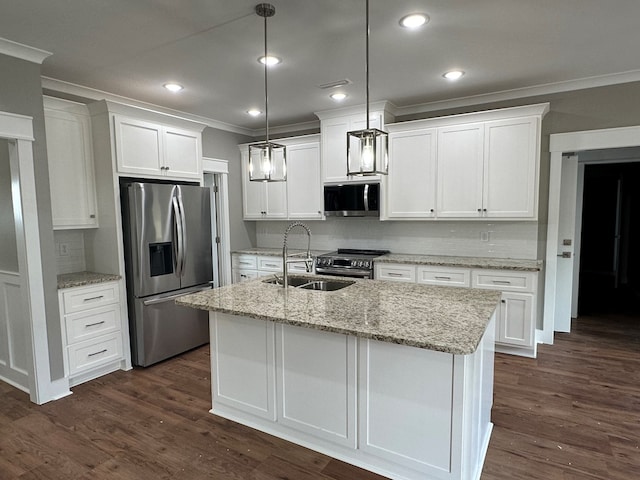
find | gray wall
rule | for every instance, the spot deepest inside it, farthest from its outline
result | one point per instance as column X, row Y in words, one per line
column 8, row 250
column 21, row 92
column 224, row 146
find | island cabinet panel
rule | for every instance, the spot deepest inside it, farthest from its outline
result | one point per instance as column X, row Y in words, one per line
column 316, row 383
column 242, row 364
column 413, row 426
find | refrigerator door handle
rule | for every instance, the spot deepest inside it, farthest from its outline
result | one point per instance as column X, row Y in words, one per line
column 179, row 234
column 155, row 301
column 183, row 230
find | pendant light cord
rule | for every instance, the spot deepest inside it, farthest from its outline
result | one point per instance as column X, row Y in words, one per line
column 266, row 93
column 366, row 67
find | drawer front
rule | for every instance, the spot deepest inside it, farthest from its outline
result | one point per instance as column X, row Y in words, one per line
column 85, row 298
column 456, row 277
column 244, row 275
column 247, row 262
column 396, row 272
column 299, row 268
column 507, row 281
column 93, row 353
column 270, row 264
column 94, row 323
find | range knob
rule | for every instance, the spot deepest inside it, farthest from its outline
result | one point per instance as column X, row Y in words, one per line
column 366, row 264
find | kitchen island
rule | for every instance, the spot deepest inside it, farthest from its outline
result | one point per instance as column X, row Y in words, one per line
column 395, row 378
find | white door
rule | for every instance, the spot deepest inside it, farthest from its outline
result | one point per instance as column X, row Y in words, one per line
column 566, row 242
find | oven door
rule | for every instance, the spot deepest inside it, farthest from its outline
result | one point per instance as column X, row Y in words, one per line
column 345, row 272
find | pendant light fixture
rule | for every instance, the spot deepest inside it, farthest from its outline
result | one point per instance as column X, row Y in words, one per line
column 267, row 160
column 367, row 149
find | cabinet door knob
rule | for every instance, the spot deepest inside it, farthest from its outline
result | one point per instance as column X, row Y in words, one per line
column 484, row 209
column 503, row 301
column 479, row 210
column 432, row 210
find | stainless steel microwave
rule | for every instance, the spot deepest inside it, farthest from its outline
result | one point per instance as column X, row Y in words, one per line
column 352, row 200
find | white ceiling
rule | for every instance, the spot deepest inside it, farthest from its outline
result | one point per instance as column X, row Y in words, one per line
column 132, row 47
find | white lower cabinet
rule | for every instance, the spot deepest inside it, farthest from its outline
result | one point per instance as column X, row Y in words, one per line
column 247, row 267
column 92, row 330
column 405, row 427
column 397, row 272
column 243, row 364
column 316, row 383
column 516, row 317
column 400, row 411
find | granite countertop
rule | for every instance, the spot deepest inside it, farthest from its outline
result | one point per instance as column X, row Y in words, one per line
column 79, row 279
column 445, row 319
column 276, row 252
column 464, row 262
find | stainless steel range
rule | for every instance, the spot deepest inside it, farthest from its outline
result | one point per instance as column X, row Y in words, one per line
column 348, row 262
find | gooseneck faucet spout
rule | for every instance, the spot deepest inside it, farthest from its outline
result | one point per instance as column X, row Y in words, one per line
column 286, row 259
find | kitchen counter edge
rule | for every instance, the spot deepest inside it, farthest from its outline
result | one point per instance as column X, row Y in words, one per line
column 82, row 279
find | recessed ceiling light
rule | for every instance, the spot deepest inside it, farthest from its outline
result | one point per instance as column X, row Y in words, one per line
column 269, row 60
column 414, row 20
column 173, row 87
column 338, row 96
column 453, row 74
column 254, row 112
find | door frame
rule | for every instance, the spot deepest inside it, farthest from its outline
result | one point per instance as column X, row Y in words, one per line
column 18, row 130
column 220, row 169
column 559, row 144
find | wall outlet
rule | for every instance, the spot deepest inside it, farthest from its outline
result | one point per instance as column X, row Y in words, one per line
column 63, row 249
column 484, row 236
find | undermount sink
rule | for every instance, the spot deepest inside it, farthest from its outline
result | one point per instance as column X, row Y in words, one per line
column 294, row 281
column 327, row 285
column 309, row 283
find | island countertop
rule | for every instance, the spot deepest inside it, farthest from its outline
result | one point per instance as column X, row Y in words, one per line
column 445, row 319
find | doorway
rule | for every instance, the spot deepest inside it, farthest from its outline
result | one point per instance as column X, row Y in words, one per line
column 609, row 272
column 216, row 179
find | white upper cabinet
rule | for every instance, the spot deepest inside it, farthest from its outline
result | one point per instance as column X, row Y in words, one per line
column 71, row 168
column 511, row 168
column 304, row 186
column 411, row 183
column 486, row 166
column 300, row 197
column 334, row 126
column 261, row 200
column 151, row 149
column 460, row 170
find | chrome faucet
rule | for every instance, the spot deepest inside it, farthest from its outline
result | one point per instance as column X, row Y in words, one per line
column 286, row 258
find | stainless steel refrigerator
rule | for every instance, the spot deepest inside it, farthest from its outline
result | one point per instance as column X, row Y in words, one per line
column 167, row 240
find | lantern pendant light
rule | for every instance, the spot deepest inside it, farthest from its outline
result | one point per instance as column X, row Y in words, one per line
column 367, row 149
column 267, row 160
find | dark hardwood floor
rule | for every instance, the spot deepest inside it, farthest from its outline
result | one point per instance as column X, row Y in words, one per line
column 573, row 413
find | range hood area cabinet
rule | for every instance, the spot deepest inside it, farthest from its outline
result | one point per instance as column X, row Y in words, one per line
column 299, row 198
column 471, row 166
column 71, row 167
column 334, row 125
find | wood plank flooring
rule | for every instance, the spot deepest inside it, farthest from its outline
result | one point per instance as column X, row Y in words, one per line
column 573, row 413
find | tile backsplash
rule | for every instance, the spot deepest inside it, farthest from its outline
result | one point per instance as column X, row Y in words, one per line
column 469, row 238
column 69, row 245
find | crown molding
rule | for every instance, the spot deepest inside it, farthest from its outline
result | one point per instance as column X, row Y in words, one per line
column 24, row 52
column 524, row 92
column 94, row 94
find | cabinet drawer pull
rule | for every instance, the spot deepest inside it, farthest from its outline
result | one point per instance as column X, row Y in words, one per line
column 93, row 324
column 442, row 278
column 97, row 353
column 93, row 298
column 245, row 263
column 271, row 265
column 393, row 274
column 501, row 282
